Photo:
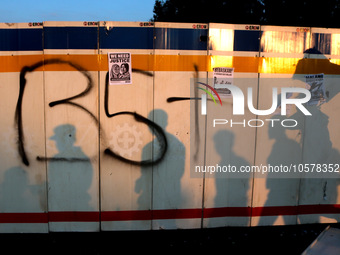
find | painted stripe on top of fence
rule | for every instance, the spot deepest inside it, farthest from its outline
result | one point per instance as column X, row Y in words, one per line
column 24, row 39
column 246, row 40
column 86, row 37
column 181, row 39
column 71, row 38
column 126, row 37
column 77, row 36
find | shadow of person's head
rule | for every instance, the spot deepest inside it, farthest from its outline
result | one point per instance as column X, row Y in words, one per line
column 64, row 136
column 160, row 117
column 224, row 141
column 314, row 62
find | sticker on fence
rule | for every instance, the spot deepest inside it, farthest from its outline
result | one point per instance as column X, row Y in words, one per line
column 223, row 75
column 315, row 84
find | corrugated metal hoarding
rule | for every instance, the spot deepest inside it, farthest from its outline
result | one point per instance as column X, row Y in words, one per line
column 102, row 127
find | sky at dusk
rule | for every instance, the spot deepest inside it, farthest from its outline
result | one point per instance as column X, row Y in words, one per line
column 17, row 11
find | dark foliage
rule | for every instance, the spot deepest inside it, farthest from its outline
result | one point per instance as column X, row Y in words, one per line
column 264, row 12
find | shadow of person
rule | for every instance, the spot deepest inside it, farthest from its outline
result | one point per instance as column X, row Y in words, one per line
column 159, row 186
column 70, row 173
column 231, row 188
column 316, row 140
column 320, row 64
column 17, row 195
column 317, row 144
column 283, row 186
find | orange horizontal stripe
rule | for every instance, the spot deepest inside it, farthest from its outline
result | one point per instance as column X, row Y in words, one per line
column 16, row 63
column 180, row 63
column 188, row 63
column 246, row 64
column 87, row 62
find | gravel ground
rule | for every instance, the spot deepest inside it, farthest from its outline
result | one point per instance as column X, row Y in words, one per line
column 229, row 240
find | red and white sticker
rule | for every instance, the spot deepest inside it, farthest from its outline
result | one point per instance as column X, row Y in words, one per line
column 35, row 24
column 303, row 29
column 199, row 26
column 90, row 23
column 252, row 27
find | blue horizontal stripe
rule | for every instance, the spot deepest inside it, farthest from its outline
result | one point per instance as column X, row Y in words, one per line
column 181, row 39
column 116, row 38
column 153, row 38
column 245, row 40
column 126, row 38
column 21, row 40
column 70, row 37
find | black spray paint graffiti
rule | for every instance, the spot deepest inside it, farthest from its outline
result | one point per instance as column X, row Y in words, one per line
column 18, row 111
column 157, row 130
column 174, row 99
column 18, row 114
column 196, row 98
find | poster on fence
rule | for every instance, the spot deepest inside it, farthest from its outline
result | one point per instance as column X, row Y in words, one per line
column 315, row 84
column 223, row 76
column 119, row 68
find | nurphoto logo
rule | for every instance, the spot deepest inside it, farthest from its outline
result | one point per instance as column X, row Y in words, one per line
column 278, row 100
column 238, row 100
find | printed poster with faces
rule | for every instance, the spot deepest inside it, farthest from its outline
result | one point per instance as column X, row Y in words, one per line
column 120, row 71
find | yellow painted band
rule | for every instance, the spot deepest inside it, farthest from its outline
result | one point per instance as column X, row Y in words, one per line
column 177, row 63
